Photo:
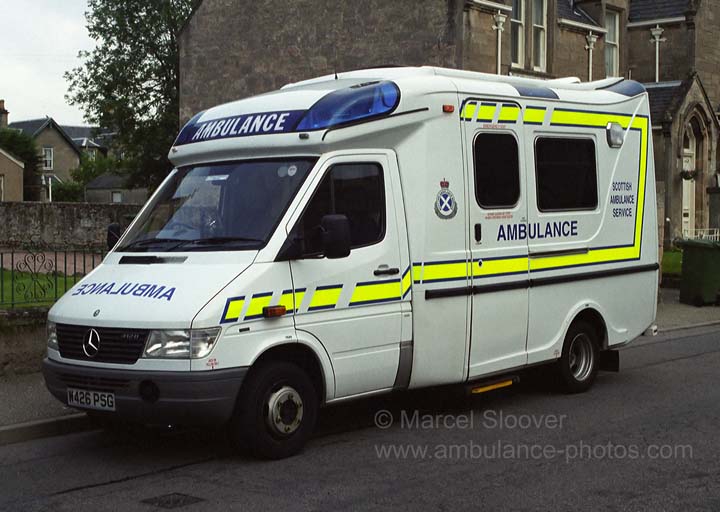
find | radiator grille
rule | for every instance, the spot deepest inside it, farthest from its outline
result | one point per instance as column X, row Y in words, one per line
column 123, row 346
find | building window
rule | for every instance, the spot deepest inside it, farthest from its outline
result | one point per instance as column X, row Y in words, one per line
column 497, row 170
column 2, row 188
column 539, row 34
column 354, row 190
column 566, row 174
column 47, row 159
column 517, row 32
column 612, row 43
column 116, row 197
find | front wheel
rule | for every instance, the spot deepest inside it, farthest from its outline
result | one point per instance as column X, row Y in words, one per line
column 578, row 365
column 276, row 411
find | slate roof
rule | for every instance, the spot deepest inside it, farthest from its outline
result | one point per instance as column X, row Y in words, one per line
column 641, row 10
column 107, row 181
column 32, row 127
column 79, row 136
column 661, row 98
column 566, row 9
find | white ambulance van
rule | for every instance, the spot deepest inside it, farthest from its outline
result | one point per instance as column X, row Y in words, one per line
column 378, row 230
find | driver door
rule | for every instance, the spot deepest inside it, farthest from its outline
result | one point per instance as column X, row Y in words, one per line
column 352, row 305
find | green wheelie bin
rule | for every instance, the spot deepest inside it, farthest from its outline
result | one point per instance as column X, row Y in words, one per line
column 700, row 283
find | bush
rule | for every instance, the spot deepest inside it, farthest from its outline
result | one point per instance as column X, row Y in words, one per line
column 68, row 192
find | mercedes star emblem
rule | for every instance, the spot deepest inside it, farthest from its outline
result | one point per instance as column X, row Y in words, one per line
column 91, row 343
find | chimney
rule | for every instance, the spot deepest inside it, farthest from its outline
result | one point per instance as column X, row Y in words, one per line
column 3, row 115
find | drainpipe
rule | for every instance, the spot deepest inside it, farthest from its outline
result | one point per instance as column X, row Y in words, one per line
column 590, row 46
column 499, row 27
column 657, row 32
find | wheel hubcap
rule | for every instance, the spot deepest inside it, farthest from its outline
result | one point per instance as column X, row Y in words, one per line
column 581, row 357
column 285, row 411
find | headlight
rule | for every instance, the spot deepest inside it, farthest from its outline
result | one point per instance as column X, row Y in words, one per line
column 195, row 344
column 52, row 341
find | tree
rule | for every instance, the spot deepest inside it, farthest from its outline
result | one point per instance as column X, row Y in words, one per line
column 129, row 82
column 91, row 168
column 23, row 147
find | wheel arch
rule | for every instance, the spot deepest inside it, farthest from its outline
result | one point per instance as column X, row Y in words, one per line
column 593, row 317
column 307, row 358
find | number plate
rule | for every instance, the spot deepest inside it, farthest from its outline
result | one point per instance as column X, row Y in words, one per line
column 97, row 400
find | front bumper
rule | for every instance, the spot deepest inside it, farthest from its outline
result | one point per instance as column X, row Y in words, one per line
column 184, row 398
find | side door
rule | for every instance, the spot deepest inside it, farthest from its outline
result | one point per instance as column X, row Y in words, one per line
column 498, row 236
column 353, row 305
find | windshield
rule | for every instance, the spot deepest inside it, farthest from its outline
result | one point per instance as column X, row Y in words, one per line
column 229, row 206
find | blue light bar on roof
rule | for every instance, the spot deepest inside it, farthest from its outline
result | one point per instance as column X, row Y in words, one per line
column 357, row 103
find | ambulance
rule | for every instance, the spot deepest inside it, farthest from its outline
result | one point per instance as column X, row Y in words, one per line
column 367, row 232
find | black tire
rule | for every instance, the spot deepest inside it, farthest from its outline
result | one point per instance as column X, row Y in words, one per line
column 251, row 429
column 578, row 365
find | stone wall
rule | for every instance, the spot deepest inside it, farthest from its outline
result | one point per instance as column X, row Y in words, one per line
column 707, row 49
column 480, row 42
column 232, row 49
column 675, row 53
column 61, row 226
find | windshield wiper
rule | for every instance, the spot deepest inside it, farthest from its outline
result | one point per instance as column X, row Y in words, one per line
column 215, row 240
column 149, row 241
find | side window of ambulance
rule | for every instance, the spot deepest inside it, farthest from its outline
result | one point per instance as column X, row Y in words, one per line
column 355, row 190
column 497, row 170
column 566, row 174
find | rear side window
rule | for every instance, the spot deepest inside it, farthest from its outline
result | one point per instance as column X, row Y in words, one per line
column 566, row 174
column 355, row 190
column 497, row 170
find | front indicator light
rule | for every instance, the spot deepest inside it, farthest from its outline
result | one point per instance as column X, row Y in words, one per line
column 274, row 311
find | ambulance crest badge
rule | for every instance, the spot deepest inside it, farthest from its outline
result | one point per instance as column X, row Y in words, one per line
column 445, row 204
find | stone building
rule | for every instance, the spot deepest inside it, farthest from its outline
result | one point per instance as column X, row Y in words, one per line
column 11, row 177
column 58, row 153
column 113, row 188
column 231, row 49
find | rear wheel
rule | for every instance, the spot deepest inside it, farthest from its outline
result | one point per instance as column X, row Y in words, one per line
column 276, row 411
column 578, row 365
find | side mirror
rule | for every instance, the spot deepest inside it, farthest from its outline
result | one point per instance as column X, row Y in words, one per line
column 114, row 232
column 336, row 236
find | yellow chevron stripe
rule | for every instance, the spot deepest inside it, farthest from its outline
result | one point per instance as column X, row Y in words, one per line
column 469, row 110
column 257, row 304
column 234, row 309
column 325, row 298
column 376, row 292
column 487, row 112
column 406, row 282
column 534, row 115
column 509, row 113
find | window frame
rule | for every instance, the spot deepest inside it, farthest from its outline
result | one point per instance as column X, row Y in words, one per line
column 45, row 159
column 613, row 45
column 542, row 66
column 592, row 139
column 325, row 173
column 519, row 174
column 520, row 44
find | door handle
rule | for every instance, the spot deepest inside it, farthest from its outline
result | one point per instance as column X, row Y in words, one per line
column 386, row 271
